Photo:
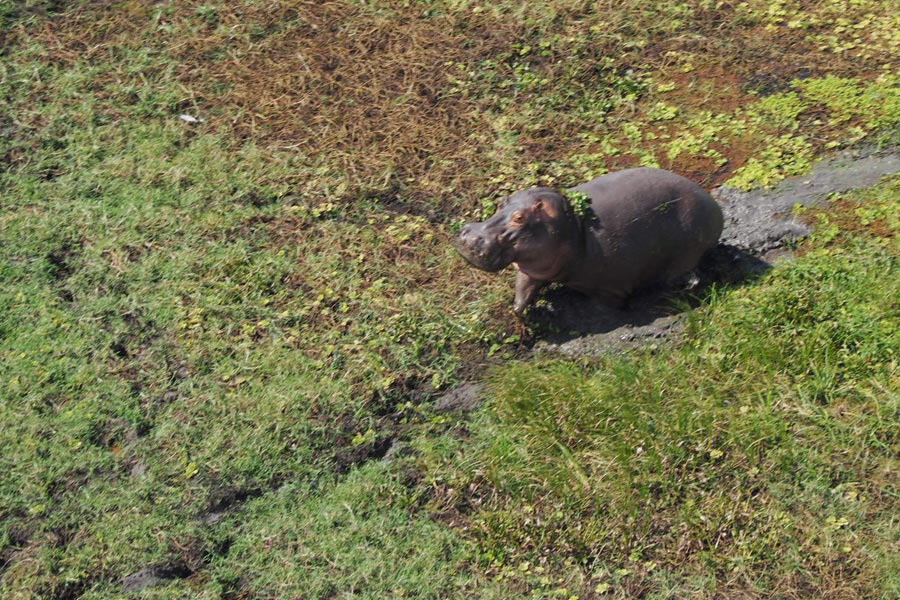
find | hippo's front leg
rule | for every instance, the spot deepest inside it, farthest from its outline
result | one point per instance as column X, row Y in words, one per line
column 527, row 288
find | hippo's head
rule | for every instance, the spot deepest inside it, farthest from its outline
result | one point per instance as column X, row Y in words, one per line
column 527, row 229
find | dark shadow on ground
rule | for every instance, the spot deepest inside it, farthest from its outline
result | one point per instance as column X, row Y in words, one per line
column 573, row 323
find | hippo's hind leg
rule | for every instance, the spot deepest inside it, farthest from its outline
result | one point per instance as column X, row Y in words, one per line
column 526, row 289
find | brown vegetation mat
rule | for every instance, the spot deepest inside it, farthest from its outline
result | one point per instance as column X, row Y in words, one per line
column 369, row 96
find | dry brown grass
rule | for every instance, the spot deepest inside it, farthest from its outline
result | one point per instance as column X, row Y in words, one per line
column 362, row 89
column 362, row 92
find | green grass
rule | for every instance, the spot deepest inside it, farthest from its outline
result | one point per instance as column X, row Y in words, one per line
column 240, row 347
column 211, row 333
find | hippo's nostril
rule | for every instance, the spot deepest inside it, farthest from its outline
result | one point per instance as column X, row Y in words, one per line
column 471, row 238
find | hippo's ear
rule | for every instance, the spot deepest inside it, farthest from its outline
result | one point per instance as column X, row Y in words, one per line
column 547, row 207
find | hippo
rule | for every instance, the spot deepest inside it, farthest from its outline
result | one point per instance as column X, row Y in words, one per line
column 607, row 238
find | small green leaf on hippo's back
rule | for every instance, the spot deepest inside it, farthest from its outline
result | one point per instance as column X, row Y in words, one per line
column 579, row 201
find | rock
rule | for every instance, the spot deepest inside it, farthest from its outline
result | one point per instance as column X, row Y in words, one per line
column 139, row 469
column 463, row 399
column 153, row 576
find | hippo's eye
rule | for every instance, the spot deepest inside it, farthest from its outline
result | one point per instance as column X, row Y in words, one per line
column 518, row 217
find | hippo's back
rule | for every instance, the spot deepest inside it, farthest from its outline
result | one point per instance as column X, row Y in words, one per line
column 651, row 225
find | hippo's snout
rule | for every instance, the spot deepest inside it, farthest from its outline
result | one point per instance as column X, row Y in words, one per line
column 481, row 248
column 473, row 239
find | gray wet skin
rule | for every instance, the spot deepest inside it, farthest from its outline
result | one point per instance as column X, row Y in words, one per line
column 645, row 226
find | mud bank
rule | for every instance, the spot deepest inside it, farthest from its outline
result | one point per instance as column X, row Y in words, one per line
column 761, row 220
